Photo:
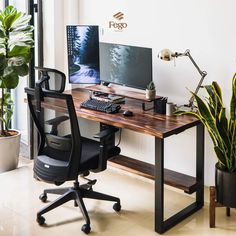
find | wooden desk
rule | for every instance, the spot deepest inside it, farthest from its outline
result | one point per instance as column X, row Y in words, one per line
column 159, row 126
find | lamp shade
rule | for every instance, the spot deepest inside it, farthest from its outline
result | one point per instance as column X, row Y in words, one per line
column 166, row 55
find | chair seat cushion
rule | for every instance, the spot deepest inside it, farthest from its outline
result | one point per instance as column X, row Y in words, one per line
column 50, row 169
column 53, row 165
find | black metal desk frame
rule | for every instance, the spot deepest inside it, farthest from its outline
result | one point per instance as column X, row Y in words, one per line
column 162, row 225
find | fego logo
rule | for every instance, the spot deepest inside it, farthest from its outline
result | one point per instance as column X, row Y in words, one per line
column 119, row 16
column 118, row 26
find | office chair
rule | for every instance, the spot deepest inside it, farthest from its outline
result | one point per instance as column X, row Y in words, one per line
column 64, row 157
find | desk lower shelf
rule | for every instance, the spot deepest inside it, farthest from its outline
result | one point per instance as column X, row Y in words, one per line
column 175, row 179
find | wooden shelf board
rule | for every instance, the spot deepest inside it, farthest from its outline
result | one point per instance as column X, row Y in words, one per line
column 175, row 179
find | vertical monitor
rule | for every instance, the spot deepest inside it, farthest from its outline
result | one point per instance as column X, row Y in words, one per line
column 83, row 54
column 126, row 65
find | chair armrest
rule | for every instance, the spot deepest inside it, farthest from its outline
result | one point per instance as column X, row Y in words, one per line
column 56, row 121
column 106, row 132
column 105, row 147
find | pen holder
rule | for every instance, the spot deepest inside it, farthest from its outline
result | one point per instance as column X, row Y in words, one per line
column 160, row 105
column 170, row 108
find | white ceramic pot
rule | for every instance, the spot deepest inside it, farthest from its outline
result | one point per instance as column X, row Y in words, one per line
column 9, row 152
column 150, row 94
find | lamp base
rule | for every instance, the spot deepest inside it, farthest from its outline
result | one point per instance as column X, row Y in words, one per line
column 186, row 108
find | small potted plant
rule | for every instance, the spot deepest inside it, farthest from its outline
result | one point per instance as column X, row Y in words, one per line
column 151, row 91
column 222, row 130
column 15, row 53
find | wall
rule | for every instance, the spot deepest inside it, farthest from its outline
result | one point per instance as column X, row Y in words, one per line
column 206, row 27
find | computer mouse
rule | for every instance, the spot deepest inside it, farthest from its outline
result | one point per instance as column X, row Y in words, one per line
column 128, row 113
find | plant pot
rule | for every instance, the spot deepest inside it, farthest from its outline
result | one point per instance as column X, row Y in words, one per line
column 9, row 152
column 150, row 94
column 225, row 183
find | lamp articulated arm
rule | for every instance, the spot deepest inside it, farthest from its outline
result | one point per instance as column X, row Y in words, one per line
column 202, row 73
column 191, row 100
column 167, row 55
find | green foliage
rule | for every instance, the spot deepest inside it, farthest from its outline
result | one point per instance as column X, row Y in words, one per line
column 7, row 109
column 151, row 86
column 222, row 130
column 16, row 42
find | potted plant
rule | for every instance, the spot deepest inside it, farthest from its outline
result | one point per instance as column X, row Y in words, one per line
column 151, row 91
column 222, row 130
column 15, row 53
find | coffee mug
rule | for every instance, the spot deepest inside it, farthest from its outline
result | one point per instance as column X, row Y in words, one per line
column 170, row 108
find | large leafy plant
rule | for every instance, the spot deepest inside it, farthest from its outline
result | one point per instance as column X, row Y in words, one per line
column 16, row 42
column 222, row 130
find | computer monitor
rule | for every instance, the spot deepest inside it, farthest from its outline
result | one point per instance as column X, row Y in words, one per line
column 125, row 65
column 83, row 54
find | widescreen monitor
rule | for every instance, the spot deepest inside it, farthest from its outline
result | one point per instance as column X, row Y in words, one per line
column 83, row 54
column 125, row 65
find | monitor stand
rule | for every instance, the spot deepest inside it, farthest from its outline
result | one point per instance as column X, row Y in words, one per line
column 120, row 91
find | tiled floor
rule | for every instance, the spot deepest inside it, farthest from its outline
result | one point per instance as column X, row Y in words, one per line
column 19, row 203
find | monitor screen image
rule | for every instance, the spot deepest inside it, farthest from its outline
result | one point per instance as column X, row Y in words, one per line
column 126, row 65
column 83, row 54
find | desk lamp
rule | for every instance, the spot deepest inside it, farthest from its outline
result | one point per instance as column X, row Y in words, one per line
column 168, row 55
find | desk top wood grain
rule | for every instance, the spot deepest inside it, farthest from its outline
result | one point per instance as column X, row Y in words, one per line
column 147, row 122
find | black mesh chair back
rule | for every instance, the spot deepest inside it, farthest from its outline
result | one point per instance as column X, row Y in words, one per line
column 51, row 79
column 64, row 149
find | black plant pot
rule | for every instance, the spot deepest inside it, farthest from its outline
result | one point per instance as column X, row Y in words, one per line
column 225, row 187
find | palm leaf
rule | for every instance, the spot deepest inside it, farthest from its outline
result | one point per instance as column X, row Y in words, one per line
column 220, row 156
column 233, row 100
column 233, row 141
column 218, row 97
column 222, row 126
column 212, row 98
column 217, row 90
column 205, row 113
column 221, row 129
column 215, row 98
column 211, row 107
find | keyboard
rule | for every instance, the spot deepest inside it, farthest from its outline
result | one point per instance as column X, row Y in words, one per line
column 102, row 106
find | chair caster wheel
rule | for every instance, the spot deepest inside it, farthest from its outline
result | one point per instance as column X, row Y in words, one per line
column 43, row 197
column 40, row 220
column 117, row 206
column 86, row 228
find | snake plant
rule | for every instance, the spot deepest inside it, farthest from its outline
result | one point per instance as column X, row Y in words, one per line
column 222, row 129
column 15, row 53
